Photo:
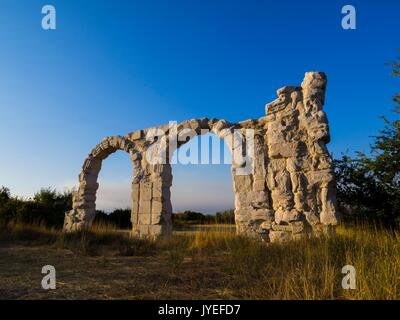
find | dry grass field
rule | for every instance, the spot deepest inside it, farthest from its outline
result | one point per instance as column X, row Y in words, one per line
column 208, row 263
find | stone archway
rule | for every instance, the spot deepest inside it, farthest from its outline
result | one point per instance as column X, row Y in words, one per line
column 151, row 215
column 84, row 199
column 194, row 164
column 284, row 188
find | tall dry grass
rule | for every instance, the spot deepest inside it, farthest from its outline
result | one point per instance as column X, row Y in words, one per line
column 309, row 268
column 304, row 269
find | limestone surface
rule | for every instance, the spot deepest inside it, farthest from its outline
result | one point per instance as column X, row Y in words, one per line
column 282, row 172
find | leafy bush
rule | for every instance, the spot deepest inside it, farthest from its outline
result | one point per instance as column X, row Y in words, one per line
column 363, row 196
column 47, row 207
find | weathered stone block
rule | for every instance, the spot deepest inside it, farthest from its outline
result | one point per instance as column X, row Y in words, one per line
column 280, row 236
column 144, row 218
column 266, row 225
column 156, row 218
column 156, row 207
column 263, row 214
column 157, row 189
column 145, row 207
column 134, row 218
column 146, row 191
column 259, row 184
column 297, row 226
column 135, row 207
column 243, row 215
column 282, row 215
column 282, row 227
column 136, row 135
column 135, row 192
column 242, row 183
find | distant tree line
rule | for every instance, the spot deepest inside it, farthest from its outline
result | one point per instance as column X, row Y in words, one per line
column 192, row 217
column 48, row 207
column 120, row 218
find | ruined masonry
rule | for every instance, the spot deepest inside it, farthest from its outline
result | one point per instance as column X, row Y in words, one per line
column 289, row 194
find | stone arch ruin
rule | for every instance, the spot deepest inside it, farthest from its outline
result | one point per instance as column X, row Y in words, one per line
column 282, row 172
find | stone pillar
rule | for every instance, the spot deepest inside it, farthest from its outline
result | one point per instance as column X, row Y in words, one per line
column 252, row 198
column 299, row 171
column 154, row 210
column 321, row 173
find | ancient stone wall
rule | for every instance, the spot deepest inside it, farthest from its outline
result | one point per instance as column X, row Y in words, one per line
column 281, row 171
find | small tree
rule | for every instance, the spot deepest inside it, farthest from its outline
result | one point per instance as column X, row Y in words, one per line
column 4, row 195
column 386, row 147
column 369, row 186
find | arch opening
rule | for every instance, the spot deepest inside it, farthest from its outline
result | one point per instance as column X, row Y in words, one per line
column 84, row 199
column 114, row 195
column 202, row 181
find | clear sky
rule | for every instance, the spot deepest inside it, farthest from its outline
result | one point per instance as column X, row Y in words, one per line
column 112, row 67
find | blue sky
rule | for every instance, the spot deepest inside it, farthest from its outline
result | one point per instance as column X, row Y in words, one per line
column 112, row 67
